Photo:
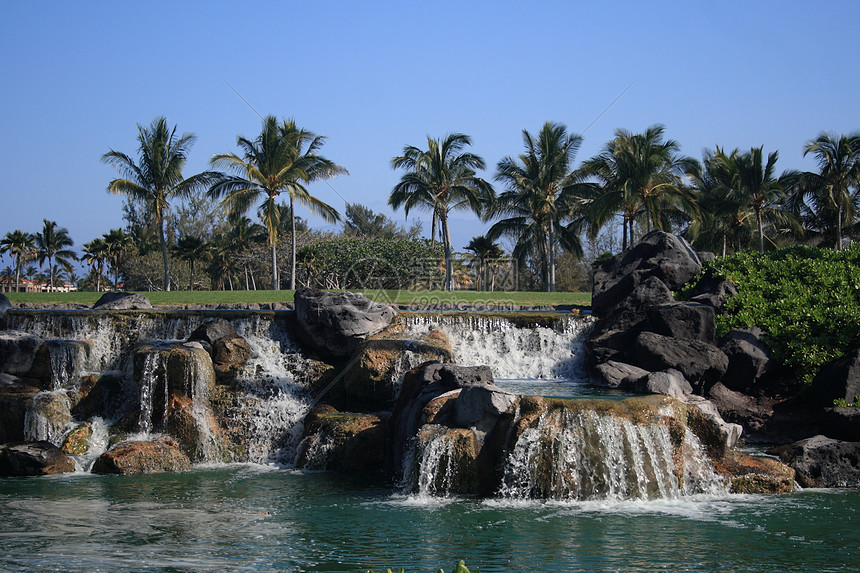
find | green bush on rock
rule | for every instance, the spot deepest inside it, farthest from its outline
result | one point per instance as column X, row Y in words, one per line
column 807, row 301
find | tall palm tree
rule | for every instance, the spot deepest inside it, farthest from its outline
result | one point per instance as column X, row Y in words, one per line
column 119, row 245
column 243, row 237
column 191, row 249
column 485, row 250
column 21, row 246
column 52, row 243
column 95, row 253
column 282, row 159
column 752, row 183
column 642, row 179
column 441, row 179
column 542, row 193
column 156, row 178
column 830, row 196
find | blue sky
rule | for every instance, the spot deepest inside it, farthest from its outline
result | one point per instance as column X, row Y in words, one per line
column 375, row 76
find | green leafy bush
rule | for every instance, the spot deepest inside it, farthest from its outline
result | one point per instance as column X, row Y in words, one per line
column 807, row 301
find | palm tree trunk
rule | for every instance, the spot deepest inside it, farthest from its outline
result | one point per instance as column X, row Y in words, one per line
column 164, row 255
column 839, row 229
column 724, row 245
column 191, row 281
column 449, row 258
column 551, row 250
column 51, row 274
column 292, row 245
column 760, row 232
column 624, row 234
column 275, row 285
column 18, row 276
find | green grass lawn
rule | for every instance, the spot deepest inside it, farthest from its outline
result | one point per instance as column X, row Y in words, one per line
column 404, row 297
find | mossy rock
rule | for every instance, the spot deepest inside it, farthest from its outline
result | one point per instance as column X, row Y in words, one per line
column 343, row 442
column 77, row 441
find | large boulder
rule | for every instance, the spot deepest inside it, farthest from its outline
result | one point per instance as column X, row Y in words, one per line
column 139, row 457
column 749, row 358
column 18, row 351
column 33, row 459
column 122, row 301
column 336, row 323
column 713, row 289
column 740, row 408
column 633, row 310
column 342, row 442
column 755, row 474
column 702, row 364
column 612, row 374
column 4, row 305
column 228, row 350
column 666, row 257
column 667, row 382
column 842, row 423
column 690, row 320
column 822, row 462
column 838, row 380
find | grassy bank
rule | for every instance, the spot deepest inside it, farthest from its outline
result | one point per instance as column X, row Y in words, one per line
column 401, row 297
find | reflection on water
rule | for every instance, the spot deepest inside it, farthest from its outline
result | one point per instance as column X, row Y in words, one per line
column 556, row 388
column 253, row 518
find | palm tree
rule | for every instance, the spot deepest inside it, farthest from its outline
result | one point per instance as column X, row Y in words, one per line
column 243, row 237
column 157, row 176
column 282, row 159
column 20, row 246
column 441, row 179
column 119, row 245
column 830, row 196
column 191, row 249
column 642, row 179
column 52, row 243
column 95, row 253
column 542, row 192
column 752, row 183
column 485, row 250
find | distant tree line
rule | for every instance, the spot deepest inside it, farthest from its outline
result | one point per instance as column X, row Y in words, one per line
column 234, row 226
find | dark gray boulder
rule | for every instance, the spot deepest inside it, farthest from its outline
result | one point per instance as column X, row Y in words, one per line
column 842, row 423
column 480, row 407
column 122, row 301
column 228, row 350
column 668, row 382
column 749, row 358
column 702, row 364
column 740, row 408
column 631, row 312
column 212, row 331
column 690, row 320
column 4, row 305
column 336, row 323
column 667, row 257
column 33, row 459
column 18, row 351
column 822, row 462
column 612, row 374
column 713, row 289
column 838, row 379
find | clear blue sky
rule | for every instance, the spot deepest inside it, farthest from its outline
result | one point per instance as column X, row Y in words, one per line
column 375, row 76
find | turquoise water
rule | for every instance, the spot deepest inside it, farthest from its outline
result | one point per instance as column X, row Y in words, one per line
column 253, row 518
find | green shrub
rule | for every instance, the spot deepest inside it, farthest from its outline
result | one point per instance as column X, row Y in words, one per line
column 805, row 299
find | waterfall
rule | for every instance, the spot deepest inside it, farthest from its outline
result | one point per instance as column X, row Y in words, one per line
column 512, row 351
column 586, row 455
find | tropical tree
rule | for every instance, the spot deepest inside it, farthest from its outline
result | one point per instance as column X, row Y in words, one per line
column 485, row 251
column 21, row 246
column 282, row 159
column 52, row 243
column 441, row 179
column 542, row 194
column 95, row 254
column 829, row 199
column 642, row 179
column 191, row 249
column 156, row 178
column 119, row 246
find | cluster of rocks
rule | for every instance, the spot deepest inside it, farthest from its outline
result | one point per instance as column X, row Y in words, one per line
column 647, row 341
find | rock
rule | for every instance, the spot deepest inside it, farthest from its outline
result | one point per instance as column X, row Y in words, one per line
column 632, row 311
column 480, row 407
column 755, row 474
column 749, row 358
column 33, row 459
column 690, row 320
column 77, row 441
column 740, row 408
column 666, row 257
column 702, row 364
column 713, row 289
column 18, row 351
column 4, row 305
column 138, row 457
column 336, row 323
column 228, row 350
column 59, row 363
column 122, row 301
column 195, row 430
column 842, row 423
column 213, row 330
column 457, row 455
column 614, row 374
column 48, row 414
column 718, row 436
column 822, row 462
column 372, row 382
column 668, row 382
column 838, row 379
column 98, row 395
column 342, row 442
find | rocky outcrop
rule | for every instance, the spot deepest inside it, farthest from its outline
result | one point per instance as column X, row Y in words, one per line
column 342, row 442
column 611, row 374
column 702, row 364
column 228, row 350
column 687, row 320
column 122, row 301
column 838, row 380
column 33, row 459
column 4, row 305
column 823, row 462
column 141, row 457
column 18, row 351
column 755, row 474
column 336, row 323
column 713, row 289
